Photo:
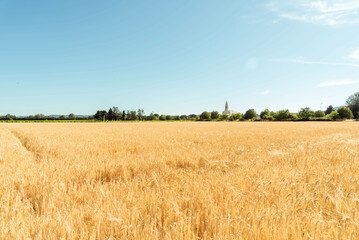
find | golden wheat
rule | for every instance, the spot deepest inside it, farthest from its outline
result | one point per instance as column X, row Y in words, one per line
column 185, row 180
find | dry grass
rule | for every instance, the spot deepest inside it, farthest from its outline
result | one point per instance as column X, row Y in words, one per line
column 179, row 180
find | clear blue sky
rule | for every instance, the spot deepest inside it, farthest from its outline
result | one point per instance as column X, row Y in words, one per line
column 176, row 57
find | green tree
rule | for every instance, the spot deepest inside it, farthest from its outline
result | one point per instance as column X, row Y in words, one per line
column 177, row 118
column 266, row 114
column 224, row 117
column 72, row 116
column 116, row 113
column 353, row 103
column 205, row 116
column 162, row 117
column 250, row 114
column 62, row 117
column 132, row 115
column 334, row 115
column 214, row 115
column 101, row 115
column 345, row 113
column 305, row 113
column 329, row 110
column 111, row 115
column 169, row 118
column 237, row 116
column 140, row 114
column 283, row 115
column 319, row 114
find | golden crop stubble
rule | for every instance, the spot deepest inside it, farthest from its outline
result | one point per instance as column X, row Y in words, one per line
column 182, row 180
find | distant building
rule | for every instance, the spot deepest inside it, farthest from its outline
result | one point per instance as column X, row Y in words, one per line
column 227, row 111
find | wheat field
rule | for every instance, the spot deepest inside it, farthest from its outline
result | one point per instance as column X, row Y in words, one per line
column 179, row 180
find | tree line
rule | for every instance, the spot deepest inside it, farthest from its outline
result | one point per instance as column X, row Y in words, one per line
column 349, row 111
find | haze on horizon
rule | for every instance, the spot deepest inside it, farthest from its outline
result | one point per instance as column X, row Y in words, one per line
column 176, row 57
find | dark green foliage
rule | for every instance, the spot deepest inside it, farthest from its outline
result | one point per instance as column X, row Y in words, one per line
column 283, row 115
column 116, row 114
column 237, row 116
column 250, row 114
column 111, row 115
column 329, row 110
column 306, row 113
column 162, row 117
column 266, row 114
column 169, row 118
column 334, row 115
column 353, row 103
column 205, row 116
column 132, row 115
column 140, row 114
column 319, row 114
column 345, row 113
column 214, row 115
column 72, row 116
column 224, row 117
column 100, row 115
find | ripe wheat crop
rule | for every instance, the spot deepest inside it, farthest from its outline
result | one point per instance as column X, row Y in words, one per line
column 184, row 180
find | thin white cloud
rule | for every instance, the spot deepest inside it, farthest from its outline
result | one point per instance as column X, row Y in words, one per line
column 354, row 55
column 337, row 83
column 324, row 12
column 300, row 61
column 266, row 92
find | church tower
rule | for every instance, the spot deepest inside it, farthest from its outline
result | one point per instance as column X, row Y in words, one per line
column 226, row 110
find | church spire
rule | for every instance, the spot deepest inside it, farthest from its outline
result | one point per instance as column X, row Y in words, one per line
column 226, row 106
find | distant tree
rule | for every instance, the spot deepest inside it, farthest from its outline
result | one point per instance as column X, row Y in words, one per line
column 116, row 113
column 214, row 115
column 283, row 115
column 192, row 116
column 334, row 115
column 250, row 114
column 353, row 103
column 162, row 117
column 150, row 117
column 62, row 117
column 169, row 118
column 319, row 114
column 345, row 113
column 9, row 117
column 101, row 115
column 177, row 117
column 237, row 116
column 266, row 114
column 39, row 116
column 140, row 114
column 223, row 117
column 72, row 116
column 132, row 115
column 329, row 110
column 111, row 115
column 184, row 117
column 305, row 113
column 205, row 116
column 123, row 115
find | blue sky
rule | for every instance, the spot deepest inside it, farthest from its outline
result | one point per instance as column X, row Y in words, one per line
column 176, row 57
